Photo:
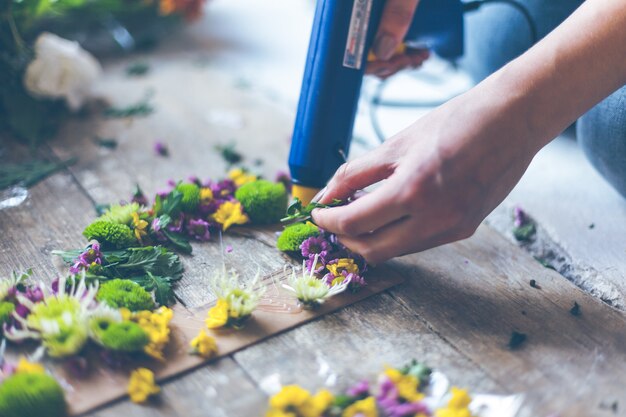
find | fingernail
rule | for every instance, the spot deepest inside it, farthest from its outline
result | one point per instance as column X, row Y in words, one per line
column 384, row 46
column 319, row 195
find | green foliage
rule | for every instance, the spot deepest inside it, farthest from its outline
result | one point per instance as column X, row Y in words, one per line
column 142, row 108
column 297, row 213
column 125, row 336
column 264, row 201
column 6, row 309
column 29, row 173
column 153, row 267
column 119, row 293
column 229, row 153
column 292, row 237
column 121, row 214
column 32, row 395
column 110, row 235
column 191, row 196
column 525, row 232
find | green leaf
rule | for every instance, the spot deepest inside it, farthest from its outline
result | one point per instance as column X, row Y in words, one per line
column 29, row 173
column 179, row 241
column 298, row 214
column 162, row 288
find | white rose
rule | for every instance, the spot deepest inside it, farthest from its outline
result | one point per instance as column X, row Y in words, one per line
column 61, row 69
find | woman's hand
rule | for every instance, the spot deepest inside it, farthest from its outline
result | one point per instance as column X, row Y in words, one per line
column 394, row 24
column 442, row 176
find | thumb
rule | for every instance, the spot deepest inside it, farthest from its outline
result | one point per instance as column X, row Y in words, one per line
column 394, row 24
column 357, row 174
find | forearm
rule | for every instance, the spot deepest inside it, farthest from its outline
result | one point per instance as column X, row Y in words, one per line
column 565, row 74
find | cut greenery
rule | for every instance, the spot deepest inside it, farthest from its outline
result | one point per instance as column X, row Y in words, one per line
column 155, row 268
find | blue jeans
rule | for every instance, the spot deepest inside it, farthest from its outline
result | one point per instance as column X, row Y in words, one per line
column 498, row 33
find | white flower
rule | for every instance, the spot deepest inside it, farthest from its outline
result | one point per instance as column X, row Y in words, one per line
column 61, row 69
column 61, row 320
column 242, row 298
column 310, row 290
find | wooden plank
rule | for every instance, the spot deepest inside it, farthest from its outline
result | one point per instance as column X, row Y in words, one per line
column 217, row 390
column 475, row 293
column 49, row 219
column 343, row 348
column 582, row 220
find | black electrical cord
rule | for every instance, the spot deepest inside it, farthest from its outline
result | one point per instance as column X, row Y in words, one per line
column 468, row 6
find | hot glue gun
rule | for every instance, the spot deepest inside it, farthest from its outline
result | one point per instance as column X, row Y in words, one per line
column 342, row 35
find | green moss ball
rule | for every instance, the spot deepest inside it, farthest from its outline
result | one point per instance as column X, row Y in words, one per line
column 120, row 293
column 6, row 309
column 125, row 336
column 110, row 235
column 292, row 237
column 32, row 395
column 191, row 196
column 265, row 202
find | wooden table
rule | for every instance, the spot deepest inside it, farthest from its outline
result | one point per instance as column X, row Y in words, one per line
column 456, row 311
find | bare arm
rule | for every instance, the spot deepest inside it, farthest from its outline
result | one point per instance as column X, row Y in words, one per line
column 446, row 172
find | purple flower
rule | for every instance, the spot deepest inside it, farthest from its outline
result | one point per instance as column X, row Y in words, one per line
column 198, row 229
column 161, row 148
column 91, row 256
column 176, row 226
column 229, row 249
column 156, row 229
column 222, row 189
column 284, row 178
column 194, row 180
column 139, row 197
column 406, row 409
column 321, row 264
column 360, row 389
column 315, row 245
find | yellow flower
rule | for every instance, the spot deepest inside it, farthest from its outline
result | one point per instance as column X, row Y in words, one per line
column 343, row 264
column 241, row 177
column 140, row 227
column 318, row 404
column 362, row 408
column 230, row 213
column 26, row 367
column 141, row 385
column 156, row 326
column 206, row 195
column 457, row 405
column 295, row 401
column 204, row 345
column 218, row 315
column 460, row 398
column 290, row 396
column 407, row 385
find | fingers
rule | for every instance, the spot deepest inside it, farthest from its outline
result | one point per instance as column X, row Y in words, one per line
column 395, row 22
column 384, row 69
column 359, row 173
column 364, row 215
column 408, row 235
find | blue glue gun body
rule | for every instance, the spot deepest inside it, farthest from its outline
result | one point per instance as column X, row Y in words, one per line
column 342, row 35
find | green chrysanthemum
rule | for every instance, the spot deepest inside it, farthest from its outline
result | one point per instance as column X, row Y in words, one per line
column 191, row 196
column 6, row 309
column 110, row 234
column 264, row 202
column 32, row 395
column 61, row 323
column 121, row 214
column 125, row 293
column 292, row 237
column 125, row 336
